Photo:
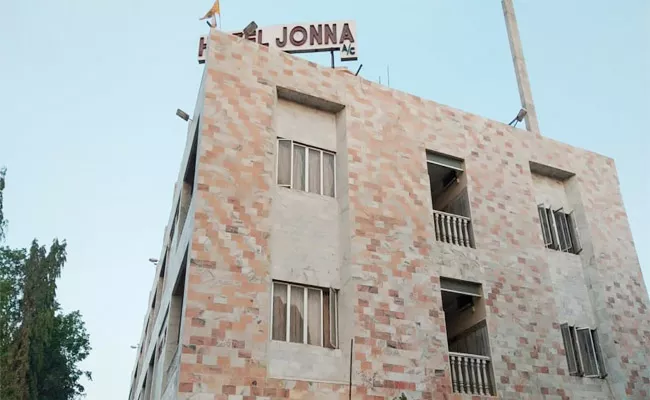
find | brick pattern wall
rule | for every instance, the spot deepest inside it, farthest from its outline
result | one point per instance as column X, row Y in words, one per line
column 392, row 276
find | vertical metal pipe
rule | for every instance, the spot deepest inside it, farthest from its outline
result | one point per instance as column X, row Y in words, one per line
column 351, row 358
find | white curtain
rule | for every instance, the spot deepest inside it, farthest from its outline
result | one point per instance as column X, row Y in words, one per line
column 298, row 167
column 328, row 174
column 314, row 171
column 314, row 329
column 279, row 312
column 284, row 162
column 296, row 333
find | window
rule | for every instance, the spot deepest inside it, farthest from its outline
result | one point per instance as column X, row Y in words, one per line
column 174, row 320
column 304, row 314
column 187, row 188
column 305, row 168
column 559, row 230
column 583, row 352
column 468, row 339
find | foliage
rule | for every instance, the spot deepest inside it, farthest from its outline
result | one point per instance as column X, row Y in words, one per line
column 401, row 397
column 3, row 172
column 40, row 346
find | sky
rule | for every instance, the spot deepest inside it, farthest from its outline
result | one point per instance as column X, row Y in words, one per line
column 88, row 92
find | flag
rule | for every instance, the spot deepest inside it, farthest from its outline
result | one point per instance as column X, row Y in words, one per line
column 213, row 11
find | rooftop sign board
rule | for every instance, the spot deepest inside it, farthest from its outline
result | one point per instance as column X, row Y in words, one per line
column 303, row 38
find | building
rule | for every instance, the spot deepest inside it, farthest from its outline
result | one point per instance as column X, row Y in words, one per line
column 460, row 255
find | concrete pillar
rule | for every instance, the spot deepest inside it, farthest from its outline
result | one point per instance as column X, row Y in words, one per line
column 521, row 72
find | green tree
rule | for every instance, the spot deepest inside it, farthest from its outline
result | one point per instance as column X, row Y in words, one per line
column 40, row 346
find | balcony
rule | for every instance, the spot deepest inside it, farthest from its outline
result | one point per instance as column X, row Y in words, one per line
column 470, row 374
column 452, row 229
column 451, row 214
column 467, row 337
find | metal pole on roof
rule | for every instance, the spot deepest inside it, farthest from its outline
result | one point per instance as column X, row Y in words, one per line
column 525, row 92
column 388, row 75
column 332, row 57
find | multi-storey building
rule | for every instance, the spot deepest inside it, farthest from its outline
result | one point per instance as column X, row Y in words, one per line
column 332, row 237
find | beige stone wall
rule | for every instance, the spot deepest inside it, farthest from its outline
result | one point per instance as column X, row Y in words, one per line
column 301, row 220
column 550, row 192
column 389, row 262
column 305, row 124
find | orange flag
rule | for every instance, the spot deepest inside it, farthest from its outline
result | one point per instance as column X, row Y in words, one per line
column 213, row 11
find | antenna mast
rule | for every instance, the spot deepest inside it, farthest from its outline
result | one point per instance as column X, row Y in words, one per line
column 525, row 93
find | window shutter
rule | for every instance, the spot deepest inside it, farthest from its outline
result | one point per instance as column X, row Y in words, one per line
column 546, row 229
column 560, row 226
column 569, row 349
column 576, row 349
column 602, row 369
column 587, row 353
column 334, row 337
column 565, row 229
column 573, row 230
column 548, row 213
column 284, row 162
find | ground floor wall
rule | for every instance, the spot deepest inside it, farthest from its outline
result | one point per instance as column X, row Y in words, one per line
column 397, row 325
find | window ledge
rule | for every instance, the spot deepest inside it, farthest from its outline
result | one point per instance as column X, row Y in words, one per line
column 553, row 251
column 298, row 361
column 464, row 396
column 306, row 193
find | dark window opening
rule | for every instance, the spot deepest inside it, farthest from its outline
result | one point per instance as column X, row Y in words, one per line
column 449, row 199
column 174, row 320
column 467, row 337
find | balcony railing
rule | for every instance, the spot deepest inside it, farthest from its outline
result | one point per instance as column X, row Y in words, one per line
column 471, row 374
column 452, row 229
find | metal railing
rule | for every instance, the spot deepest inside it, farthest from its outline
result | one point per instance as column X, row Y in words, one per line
column 471, row 374
column 452, row 229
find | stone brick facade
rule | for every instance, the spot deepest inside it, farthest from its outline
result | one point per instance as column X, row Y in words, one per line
column 385, row 254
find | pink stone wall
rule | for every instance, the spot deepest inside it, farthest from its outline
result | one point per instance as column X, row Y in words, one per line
column 391, row 279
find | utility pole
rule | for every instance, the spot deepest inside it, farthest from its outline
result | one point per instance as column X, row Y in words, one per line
column 525, row 93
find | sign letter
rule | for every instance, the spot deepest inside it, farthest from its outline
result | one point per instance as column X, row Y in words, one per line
column 330, row 34
column 260, row 38
column 283, row 42
column 346, row 35
column 316, row 34
column 203, row 48
column 292, row 36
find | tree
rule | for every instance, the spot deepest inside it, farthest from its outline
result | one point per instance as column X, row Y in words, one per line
column 40, row 346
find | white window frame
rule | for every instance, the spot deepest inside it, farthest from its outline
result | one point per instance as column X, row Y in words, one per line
column 583, row 359
column 307, row 151
column 334, row 317
column 334, row 327
column 571, row 235
column 547, row 230
column 560, row 215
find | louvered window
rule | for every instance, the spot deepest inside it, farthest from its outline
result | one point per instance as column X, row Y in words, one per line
column 583, row 353
column 559, row 230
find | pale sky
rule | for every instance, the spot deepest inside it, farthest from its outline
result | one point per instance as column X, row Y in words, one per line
column 88, row 91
